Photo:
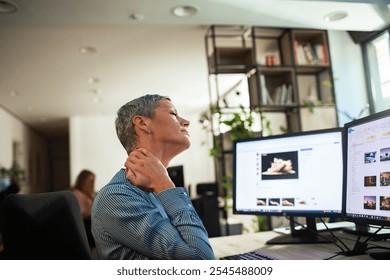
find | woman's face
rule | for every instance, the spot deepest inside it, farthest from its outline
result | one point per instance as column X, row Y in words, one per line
column 167, row 127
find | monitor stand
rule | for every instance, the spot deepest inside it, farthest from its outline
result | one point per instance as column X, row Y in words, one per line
column 358, row 230
column 307, row 235
column 380, row 255
column 365, row 230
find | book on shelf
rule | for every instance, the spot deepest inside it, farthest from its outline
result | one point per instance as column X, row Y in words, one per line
column 299, row 53
column 289, row 98
column 305, row 53
column 278, row 95
column 281, row 95
column 310, row 55
column 269, row 99
column 266, row 98
column 320, row 51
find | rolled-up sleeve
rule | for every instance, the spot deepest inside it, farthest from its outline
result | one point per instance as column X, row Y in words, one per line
column 184, row 218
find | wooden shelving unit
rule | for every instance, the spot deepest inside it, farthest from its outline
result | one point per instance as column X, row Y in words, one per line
column 282, row 74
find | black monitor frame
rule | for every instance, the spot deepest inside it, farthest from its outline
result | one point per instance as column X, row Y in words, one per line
column 364, row 223
column 309, row 234
column 361, row 222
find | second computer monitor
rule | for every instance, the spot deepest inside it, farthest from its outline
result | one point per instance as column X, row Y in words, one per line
column 296, row 174
column 368, row 170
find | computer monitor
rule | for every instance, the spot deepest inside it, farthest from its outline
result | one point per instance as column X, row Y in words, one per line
column 176, row 173
column 293, row 174
column 367, row 169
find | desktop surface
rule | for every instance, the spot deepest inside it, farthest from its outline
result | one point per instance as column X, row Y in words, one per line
column 236, row 244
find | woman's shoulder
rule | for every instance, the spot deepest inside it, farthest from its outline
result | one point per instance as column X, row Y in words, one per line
column 119, row 185
column 76, row 191
column 80, row 195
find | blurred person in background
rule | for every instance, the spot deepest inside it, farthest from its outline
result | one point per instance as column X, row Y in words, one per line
column 84, row 190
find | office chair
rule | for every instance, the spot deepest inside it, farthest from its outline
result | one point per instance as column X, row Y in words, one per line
column 207, row 189
column 44, row 226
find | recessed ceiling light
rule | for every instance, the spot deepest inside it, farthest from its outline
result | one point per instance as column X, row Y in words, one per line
column 93, row 80
column 7, row 7
column 96, row 90
column 96, row 99
column 13, row 93
column 185, row 11
column 137, row 16
column 87, row 50
column 335, row 16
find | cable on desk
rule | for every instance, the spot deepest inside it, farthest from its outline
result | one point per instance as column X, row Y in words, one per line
column 330, row 240
column 376, row 246
column 335, row 237
column 361, row 247
column 335, row 255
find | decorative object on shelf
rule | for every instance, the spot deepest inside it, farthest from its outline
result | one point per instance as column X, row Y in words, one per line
column 311, row 103
column 352, row 118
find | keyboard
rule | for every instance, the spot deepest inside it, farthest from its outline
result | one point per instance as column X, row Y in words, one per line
column 249, row 256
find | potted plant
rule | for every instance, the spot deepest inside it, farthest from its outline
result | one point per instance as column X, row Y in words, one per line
column 238, row 125
column 16, row 174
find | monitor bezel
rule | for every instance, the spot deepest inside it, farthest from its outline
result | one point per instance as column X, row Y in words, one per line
column 359, row 220
column 287, row 213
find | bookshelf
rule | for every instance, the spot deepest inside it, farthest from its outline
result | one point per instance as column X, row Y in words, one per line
column 281, row 76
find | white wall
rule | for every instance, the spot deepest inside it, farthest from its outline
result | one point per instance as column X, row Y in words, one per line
column 95, row 146
column 12, row 130
column 348, row 72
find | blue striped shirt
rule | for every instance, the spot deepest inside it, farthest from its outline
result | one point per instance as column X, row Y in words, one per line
column 129, row 223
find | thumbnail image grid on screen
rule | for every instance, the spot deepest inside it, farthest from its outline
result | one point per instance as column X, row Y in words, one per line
column 368, row 169
column 296, row 174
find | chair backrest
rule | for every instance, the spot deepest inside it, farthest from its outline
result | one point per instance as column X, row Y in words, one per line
column 44, row 226
column 207, row 189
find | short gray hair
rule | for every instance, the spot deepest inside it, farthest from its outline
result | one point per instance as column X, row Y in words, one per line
column 141, row 106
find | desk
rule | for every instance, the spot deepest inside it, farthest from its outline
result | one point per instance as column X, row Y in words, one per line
column 237, row 244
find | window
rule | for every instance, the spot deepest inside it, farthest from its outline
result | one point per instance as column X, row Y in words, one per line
column 377, row 52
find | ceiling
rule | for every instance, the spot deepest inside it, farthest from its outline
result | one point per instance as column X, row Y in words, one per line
column 133, row 47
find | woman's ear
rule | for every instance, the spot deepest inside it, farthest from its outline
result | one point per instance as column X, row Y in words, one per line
column 141, row 123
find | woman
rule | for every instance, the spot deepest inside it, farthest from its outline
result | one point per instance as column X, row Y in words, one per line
column 84, row 190
column 140, row 214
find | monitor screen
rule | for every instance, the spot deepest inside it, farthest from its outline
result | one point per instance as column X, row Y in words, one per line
column 367, row 180
column 295, row 174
